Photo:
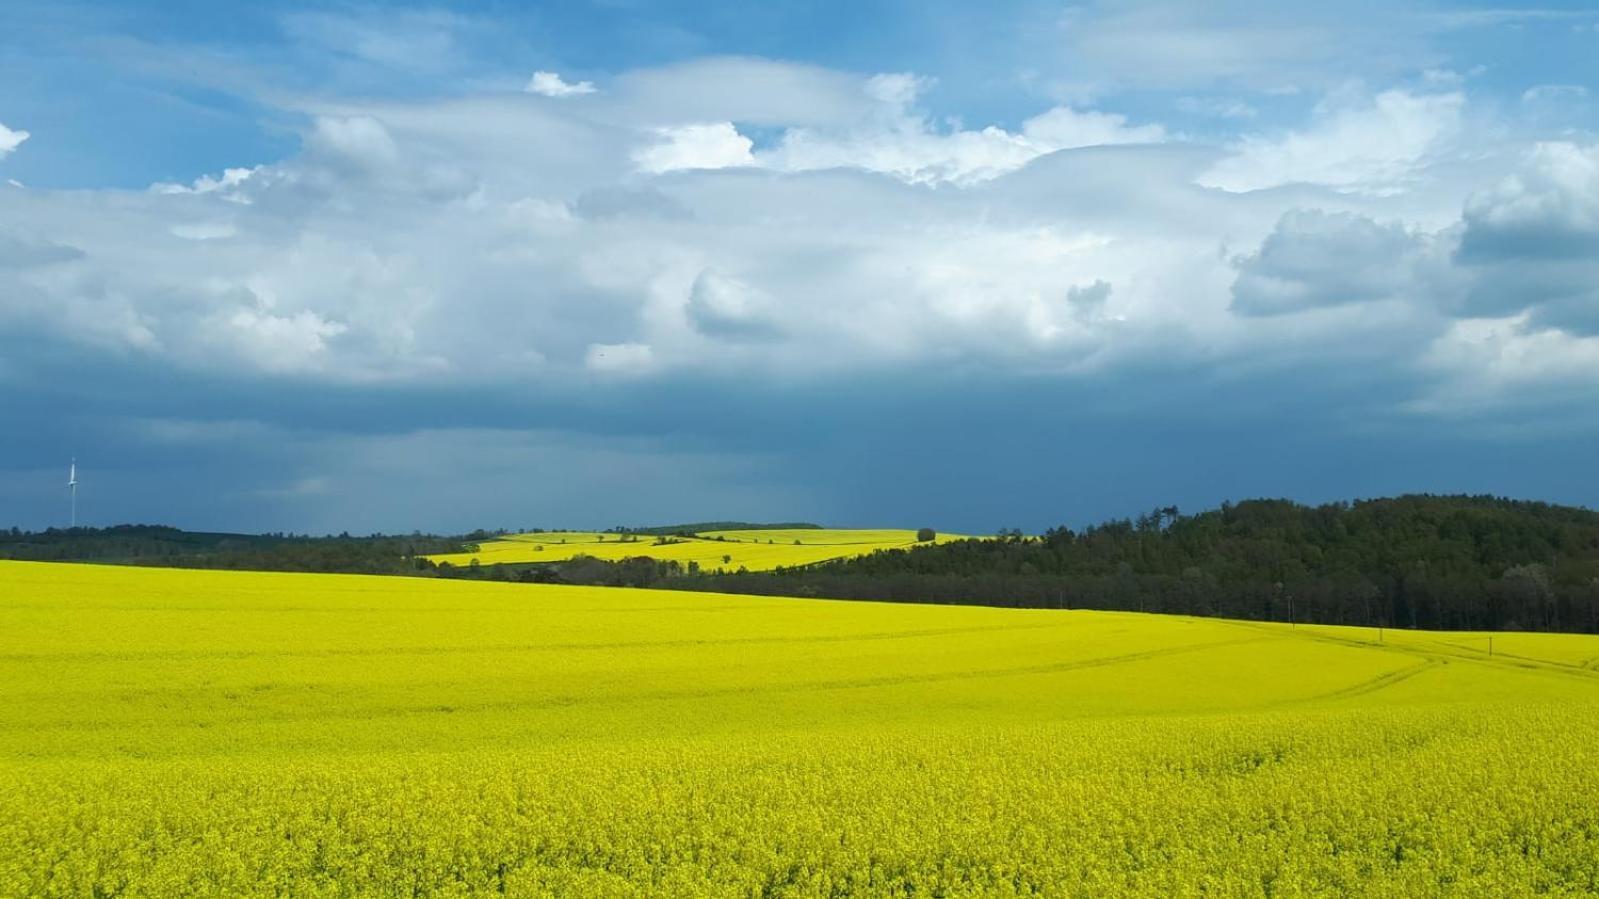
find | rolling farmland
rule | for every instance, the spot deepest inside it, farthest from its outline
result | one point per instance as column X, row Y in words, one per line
column 755, row 550
column 235, row 734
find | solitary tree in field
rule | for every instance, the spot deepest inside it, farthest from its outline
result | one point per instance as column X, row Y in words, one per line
column 926, row 535
column 726, row 559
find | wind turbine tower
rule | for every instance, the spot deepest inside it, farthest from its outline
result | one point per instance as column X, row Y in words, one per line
column 72, row 488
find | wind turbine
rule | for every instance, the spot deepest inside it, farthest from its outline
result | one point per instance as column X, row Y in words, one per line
column 72, row 488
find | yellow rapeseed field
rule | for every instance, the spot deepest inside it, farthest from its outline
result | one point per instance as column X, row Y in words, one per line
column 755, row 550
column 184, row 733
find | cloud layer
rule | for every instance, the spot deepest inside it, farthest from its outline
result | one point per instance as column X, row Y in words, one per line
column 502, row 236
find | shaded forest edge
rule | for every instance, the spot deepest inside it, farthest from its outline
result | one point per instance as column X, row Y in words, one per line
column 1430, row 562
column 1433, row 562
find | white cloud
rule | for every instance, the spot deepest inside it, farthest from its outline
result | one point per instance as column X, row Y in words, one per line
column 10, row 140
column 1064, row 128
column 897, row 89
column 906, row 146
column 228, row 184
column 830, row 120
column 550, row 84
column 1377, row 146
column 723, row 306
column 360, row 140
column 1492, row 362
column 1531, row 242
column 277, row 344
column 1550, row 207
column 717, row 145
column 486, row 240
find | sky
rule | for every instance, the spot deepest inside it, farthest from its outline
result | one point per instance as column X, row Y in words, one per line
column 396, row 267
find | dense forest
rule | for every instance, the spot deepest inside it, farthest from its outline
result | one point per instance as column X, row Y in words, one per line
column 1444, row 562
column 166, row 546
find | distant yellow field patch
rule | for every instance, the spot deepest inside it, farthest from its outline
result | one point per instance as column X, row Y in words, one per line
column 755, row 550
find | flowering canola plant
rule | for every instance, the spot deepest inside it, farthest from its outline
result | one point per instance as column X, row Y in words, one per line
column 192, row 733
column 754, row 550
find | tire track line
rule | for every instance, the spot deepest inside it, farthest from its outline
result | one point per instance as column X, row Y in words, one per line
column 1380, row 682
column 1454, row 652
column 181, row 655
column 566, row 701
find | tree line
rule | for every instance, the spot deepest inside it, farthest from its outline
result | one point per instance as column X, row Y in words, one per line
column 157, row 545
column 1432, row 562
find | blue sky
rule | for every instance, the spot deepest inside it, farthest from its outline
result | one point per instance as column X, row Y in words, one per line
column 364, row 266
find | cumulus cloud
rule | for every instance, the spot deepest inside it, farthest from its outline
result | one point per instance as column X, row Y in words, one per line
column 1488, row 363
column 1316, row 259
column 277, row 344
column 1501, row 305
column 550, row 84
column 723, row 306
column 10, row 140
column 227, row 184
column 716, row 145
column 359, row 141
column 898, row 140
column 1548, row 209
column 1532, row 241
column 1376, row 146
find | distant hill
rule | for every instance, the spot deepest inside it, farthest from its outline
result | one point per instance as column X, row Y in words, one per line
column 1442, row 562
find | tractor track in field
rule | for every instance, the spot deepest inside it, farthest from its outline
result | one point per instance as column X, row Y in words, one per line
column 255, row 716
column 491, row 648
column 1515, row 662
column 1443, row 651
column 1515, row 658
column 1380, row 682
